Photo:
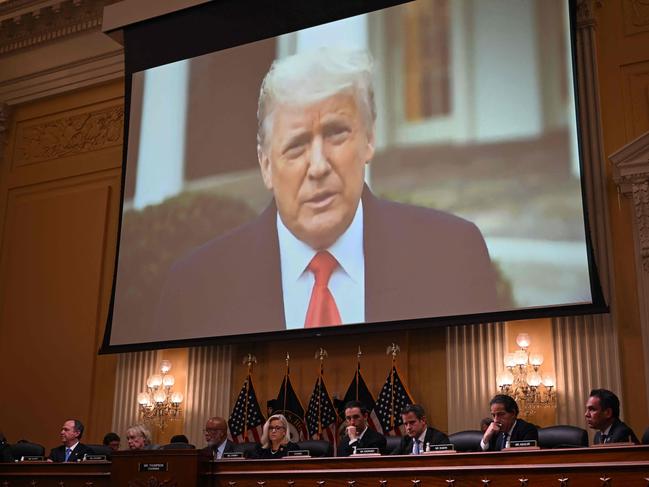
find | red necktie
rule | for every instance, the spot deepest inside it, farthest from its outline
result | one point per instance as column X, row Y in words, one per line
column 322, row 306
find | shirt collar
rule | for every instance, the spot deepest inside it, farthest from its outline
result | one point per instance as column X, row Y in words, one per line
column 348, row 249
column 422, row 436
column 607, row 431
column 509, row 433
column 73, row 446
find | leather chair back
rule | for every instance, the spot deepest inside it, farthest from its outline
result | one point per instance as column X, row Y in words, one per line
column 25, row 448
column 468, row 440
column 563, row 436
column 392, row 443
column 317, row 448
column 247, row 448
column 177, row 446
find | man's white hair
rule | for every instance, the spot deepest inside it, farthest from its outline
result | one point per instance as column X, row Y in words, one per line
column 313, row 76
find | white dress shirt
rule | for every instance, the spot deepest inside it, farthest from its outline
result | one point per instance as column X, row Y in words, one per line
column 485, row 446
column 422, row 446
column 347, row 283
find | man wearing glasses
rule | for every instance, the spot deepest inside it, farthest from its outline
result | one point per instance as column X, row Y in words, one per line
column 357, row 433
column 216, row 436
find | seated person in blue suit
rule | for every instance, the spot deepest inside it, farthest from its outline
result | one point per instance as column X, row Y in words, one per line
column 603, row 415
column 506, row 426
column 70, row 450
column 419, row 435
column 358, row 434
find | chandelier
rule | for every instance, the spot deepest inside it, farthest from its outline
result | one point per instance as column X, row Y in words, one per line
column 523, row 381
column 160, row 404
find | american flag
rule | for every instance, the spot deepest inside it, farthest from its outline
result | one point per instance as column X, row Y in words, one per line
column 288, row 404
column 321, row 416
column 392, row 399
column 246, row 421
column 358, row 391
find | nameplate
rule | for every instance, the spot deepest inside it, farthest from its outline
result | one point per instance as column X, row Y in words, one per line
column 616, row 443
column 32, row 458
column 298, row 453
column 522, row 444
column 232, row 454
column 440, row 448
column 367, row 451
column 153, row 467
column 88, row 457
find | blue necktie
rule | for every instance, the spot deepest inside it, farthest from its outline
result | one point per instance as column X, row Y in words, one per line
column 417, row 450
column 68, row 451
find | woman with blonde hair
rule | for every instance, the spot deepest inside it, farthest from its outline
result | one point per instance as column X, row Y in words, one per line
column 138, row 437
column 275, row 439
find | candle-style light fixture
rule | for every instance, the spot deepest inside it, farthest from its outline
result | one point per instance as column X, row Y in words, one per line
column 523, row 380
column 160, row 404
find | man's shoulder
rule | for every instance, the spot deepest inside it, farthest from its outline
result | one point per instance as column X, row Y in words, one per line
column 227, row 248
column 404, row 214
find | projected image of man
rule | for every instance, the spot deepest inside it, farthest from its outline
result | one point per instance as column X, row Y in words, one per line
column 326, row 251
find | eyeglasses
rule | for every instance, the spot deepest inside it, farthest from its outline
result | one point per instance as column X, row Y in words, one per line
column 275, row 428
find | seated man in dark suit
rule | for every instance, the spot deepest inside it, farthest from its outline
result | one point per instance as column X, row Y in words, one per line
column 358, row 434
column 5, row 450
column 506, row 426
column 603, row 414
column 419, row 436
column 216, row 436
column 70, row 450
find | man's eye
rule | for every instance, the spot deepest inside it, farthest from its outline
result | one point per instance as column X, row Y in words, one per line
column 294, row 151
column 338, row 135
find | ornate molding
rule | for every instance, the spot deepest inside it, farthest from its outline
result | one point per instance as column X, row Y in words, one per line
column 25, row 24
column 70, row 135
column 631, row 174
column 585, row 10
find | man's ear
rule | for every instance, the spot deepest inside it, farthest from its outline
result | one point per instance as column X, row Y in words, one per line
column 608, row 412
column 370, row 148
column 266, row 167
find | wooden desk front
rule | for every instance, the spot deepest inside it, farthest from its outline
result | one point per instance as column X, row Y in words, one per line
column 592, row 467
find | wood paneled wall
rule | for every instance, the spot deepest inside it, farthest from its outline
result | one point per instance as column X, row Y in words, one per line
column 60, row 186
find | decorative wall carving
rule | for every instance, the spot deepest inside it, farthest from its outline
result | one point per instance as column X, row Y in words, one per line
column 636, row 16
column 26, row 23
column 70, row 135
column 585, row 11
column 4, row 127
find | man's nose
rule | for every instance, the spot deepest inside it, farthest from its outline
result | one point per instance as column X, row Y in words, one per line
column 318, row 162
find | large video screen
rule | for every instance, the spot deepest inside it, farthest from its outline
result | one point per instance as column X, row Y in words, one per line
column 412, row 165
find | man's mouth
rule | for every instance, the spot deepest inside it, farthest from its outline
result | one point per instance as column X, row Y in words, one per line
column 321, row 200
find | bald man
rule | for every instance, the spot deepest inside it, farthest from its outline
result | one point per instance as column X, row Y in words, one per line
column 216, row 436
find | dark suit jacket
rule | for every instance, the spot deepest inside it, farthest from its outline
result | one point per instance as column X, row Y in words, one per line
column 432, row 437
column 370, row 439
column 267, row 453
column 211, row 451
column 522, row 431
column 619, row 433
column 58, row 454
column 419, row 262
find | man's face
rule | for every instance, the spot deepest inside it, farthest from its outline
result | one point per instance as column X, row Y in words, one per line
column 69, row 435
column 113, row 445
column 214, row 432
column 135, row 441
column 596, row 417
column 356, row 418
column 499, row 415
column 414, row 426
column 314, row 163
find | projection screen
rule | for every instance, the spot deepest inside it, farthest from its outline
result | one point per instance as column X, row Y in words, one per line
column 427, row 154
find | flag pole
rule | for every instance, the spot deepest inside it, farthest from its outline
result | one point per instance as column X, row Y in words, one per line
column 248, row 360
column 393, row 350
column 288, row 358
column 320, row 354
column 358, row 368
